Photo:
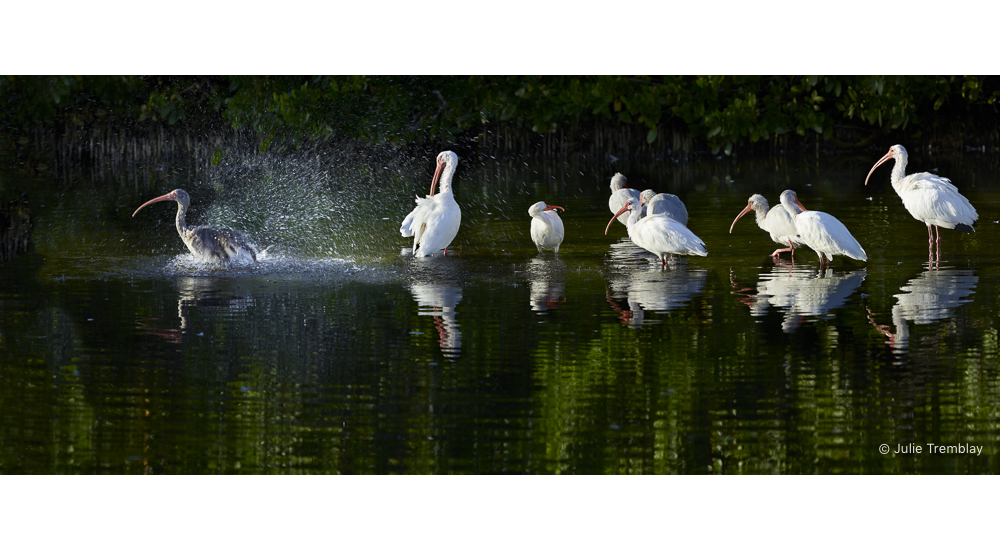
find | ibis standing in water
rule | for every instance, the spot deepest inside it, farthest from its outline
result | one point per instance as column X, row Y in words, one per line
column 659, row 233
column 205, row 242
column 434, row 222
column 928, row 198
column 821, row 232
column 776, row 221
column 546, row 228
column 620, row 193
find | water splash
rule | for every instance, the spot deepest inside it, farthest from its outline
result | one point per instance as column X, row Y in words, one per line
column 310, row 205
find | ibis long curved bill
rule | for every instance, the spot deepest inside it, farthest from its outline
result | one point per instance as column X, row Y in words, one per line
column 776, row 221
column 929, row 198
column 171, row 196
column 615, row 217
column 205, row 242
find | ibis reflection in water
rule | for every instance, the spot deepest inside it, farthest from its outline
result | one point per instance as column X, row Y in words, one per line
column 648, row 289
column 801, row 293
column 436, row 286
column 546, row 283
column 207, row 243
column 931, row 296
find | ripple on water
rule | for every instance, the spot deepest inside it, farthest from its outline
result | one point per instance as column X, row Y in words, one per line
column 274, row 265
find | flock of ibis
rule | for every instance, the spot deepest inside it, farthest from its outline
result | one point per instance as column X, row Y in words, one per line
column 657, row 222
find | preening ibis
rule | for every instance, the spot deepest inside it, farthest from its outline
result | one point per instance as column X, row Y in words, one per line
column 659, row 233
column 820, row 231
column 664, row 203
column 546, row 228
column 776, row 221
column 620, row 193
column 205, row 242
column 434, row 222
column 931, row 199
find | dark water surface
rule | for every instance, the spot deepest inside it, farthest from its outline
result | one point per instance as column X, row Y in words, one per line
column 338, row 353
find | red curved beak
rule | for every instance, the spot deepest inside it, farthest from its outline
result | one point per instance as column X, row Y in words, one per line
column 745, row 210
column 615, row 217
column 553, row 207
column 880, row 162
column 437, row 174
column 168, row 197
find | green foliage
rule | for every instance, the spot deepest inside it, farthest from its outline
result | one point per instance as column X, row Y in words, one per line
column 372, row 109
column 93, row 100
column 720, row 111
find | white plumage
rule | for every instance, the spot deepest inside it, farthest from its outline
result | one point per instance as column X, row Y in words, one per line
column 620, row 193
column 776, row 221
column 546, row 228
column 931, row 199
column 664, row 203
column 820, row 231
column 659, row 234
column 434, row 222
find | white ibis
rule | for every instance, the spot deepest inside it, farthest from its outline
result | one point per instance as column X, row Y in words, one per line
column 546, row 228
column 928, row 198
column 664, row 203
column 776, row 221
column 821, row 232
column 203, row 241
column 620, row 193
column 659, row 233
column 434, row 222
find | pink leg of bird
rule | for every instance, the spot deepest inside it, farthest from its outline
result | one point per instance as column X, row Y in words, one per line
column 938, row 231
column 777, row 253
column 931, row 240
column 884, row 329
column 790, row 249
